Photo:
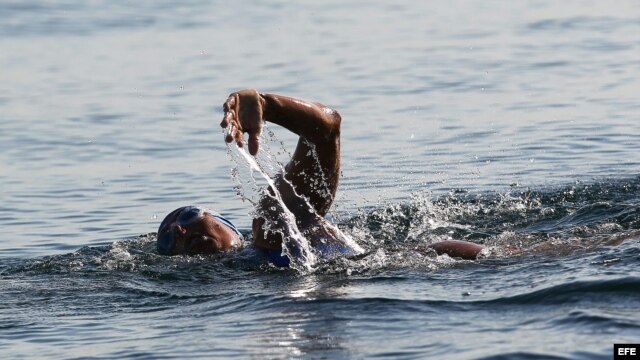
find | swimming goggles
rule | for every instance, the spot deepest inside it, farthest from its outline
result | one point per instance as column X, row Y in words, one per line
column 187, row 216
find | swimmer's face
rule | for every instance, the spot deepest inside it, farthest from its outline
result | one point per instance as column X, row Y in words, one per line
column 193, row 230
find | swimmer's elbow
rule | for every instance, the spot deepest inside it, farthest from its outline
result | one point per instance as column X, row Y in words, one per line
column 457, row 249
column 334, row 120
column 337, row 118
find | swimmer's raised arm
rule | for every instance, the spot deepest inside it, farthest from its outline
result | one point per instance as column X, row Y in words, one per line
column 246, row 109
column 311, row 120
column 308, row 183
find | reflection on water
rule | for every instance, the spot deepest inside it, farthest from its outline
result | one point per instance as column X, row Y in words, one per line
column 297, row 331
column 513, row 125
column 113, row 117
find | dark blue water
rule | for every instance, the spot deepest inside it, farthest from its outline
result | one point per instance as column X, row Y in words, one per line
column 515, row 126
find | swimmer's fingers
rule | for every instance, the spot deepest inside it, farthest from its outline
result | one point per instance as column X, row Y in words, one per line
column 230, row 111
column 243, row 113
column 227, row 119
column 254, row 142
column 230, row 103
column 238, row 137
column 250, row 106
column 230, row 132
column 234, row 133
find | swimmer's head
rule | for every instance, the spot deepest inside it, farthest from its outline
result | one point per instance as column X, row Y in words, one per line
column 196, row 230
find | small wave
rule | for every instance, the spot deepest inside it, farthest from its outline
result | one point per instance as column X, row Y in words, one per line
column 578, row 216
column 556, row 222
column 575, row 292
column 33, row 18
column 609, row 321
column 533, row 356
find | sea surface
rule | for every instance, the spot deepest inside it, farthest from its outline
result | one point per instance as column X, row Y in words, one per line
column 511, row 124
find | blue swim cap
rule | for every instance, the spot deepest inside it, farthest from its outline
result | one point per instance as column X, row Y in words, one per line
column 186, row 216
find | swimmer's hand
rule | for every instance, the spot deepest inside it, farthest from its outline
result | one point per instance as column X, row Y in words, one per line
column 243, row 112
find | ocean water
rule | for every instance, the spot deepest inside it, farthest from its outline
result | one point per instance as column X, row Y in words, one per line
column 515, row 125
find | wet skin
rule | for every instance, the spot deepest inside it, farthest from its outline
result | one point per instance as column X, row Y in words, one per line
column 307, row 185
column 310, row 179
column 315, row 176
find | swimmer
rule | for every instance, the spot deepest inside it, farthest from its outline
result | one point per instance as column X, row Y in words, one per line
column 307, row 186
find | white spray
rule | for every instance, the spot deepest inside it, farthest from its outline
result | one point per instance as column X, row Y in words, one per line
column 295, row 246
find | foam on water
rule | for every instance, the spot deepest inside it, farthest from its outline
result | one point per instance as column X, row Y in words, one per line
column 551, row 222
column 105, row 128
column 548, row 264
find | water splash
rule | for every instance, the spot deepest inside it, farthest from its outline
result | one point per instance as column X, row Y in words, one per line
column 596, row 218
column 295, row 246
